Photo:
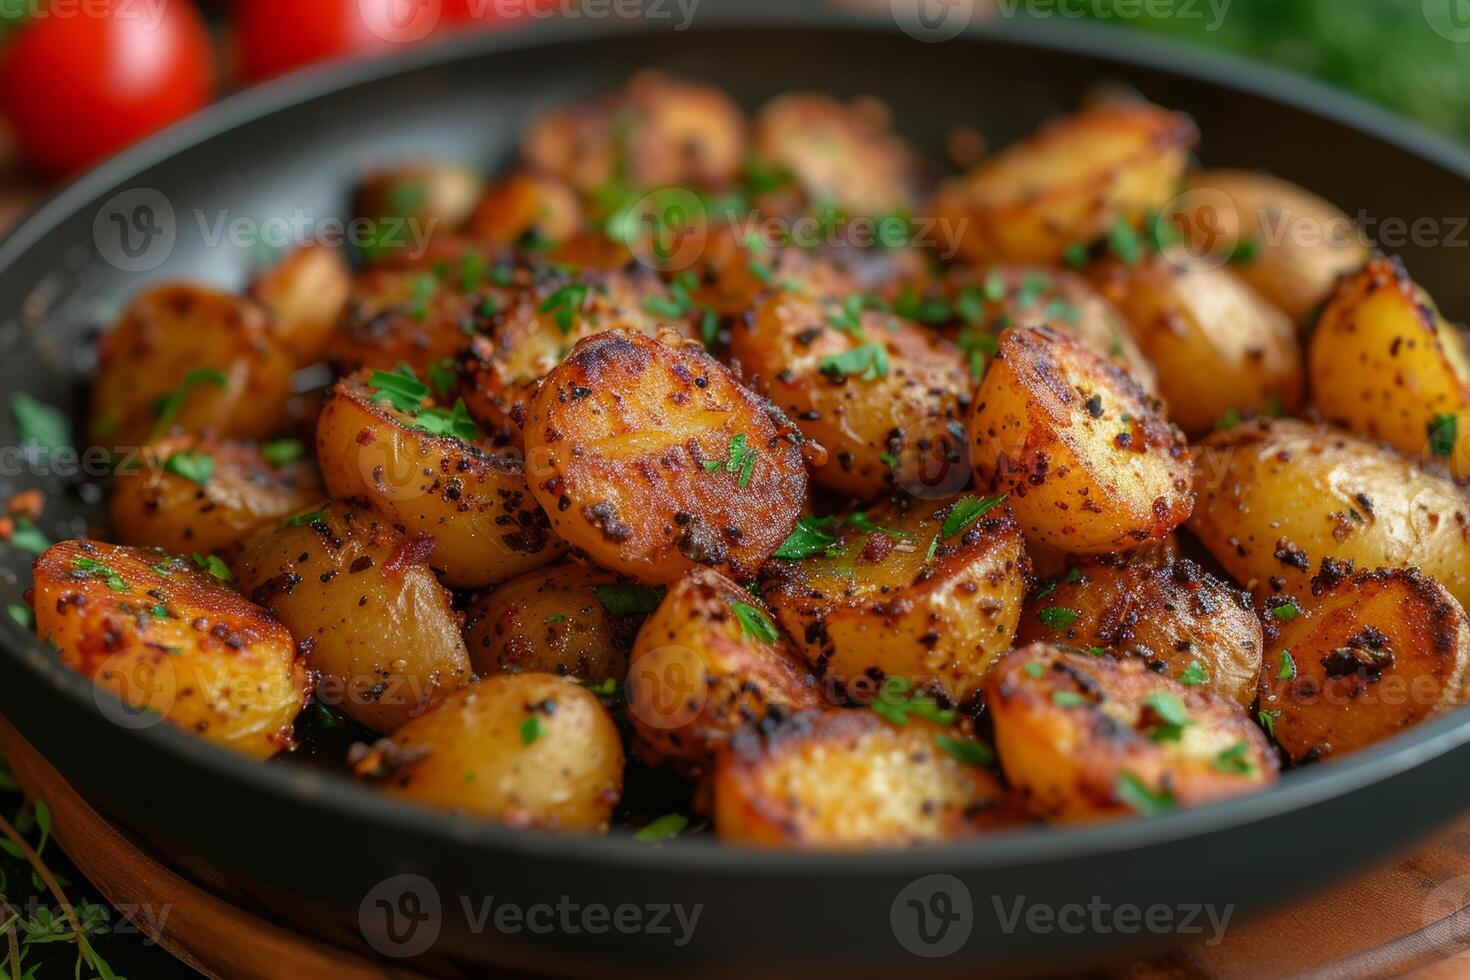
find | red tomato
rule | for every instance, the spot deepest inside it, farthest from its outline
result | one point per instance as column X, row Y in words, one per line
column 79, row 81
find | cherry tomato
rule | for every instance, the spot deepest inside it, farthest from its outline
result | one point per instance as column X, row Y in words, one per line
column 80, row 81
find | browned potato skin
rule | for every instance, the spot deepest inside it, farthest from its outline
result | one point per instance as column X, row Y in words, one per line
column 840, row 154
column 1276, row 498
column 367, row 611
column 173, row 329
column 1066, row 761
column 1079, row 480
column 1385, row 363
column 1170, row 612
column 470, row 755
column 216, row 665
column 471, row 500
column 500, row 371
column 433, row 198
column 877, row 608
column 523, row 203
column 1374, row 654
column 655, row 132
column 305, row 293
column 1216, row 343
column 1068, row 184
column 550, row 621
column 616, row 438
column 1302, row 244
column 730, row 285
column 697, row 676
column 154, row 507
column 842, row 780
column 913, row 413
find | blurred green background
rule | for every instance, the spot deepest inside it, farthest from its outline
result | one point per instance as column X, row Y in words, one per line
column 1394, row 52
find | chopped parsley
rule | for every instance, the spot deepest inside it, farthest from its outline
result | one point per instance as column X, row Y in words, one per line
column 969, row 752
column 424, row 288
column 968, row 511
column 38, row 424
column 1443, row 429
column 869, row 362
column 27, row 537
column 21, row 614
column 739, row 458
column 532, row 729
column 754, row 623
column 564, row 304
column 1035, row 670
column 1194, row 675
column 931, row 310
column 196, row 467
column 895, row 702
column 1268, row 720
column 624, row 599
column 1135, row 793
column 399, row 388
column 809, row 538
column 1069, row 699
column 442, row 422
column 860, row 520
column 166, row 409
column 1287, row 611
column 666, row 827
column 214, row 566
column 1235, row 759
column 1172, row 715
column 1058, row 617
column 1288, row 667
column 1075, row 256
column 443, row 377
column 1245, row 251
column 605, row 688
column 96, row 569
column 1125, row 242
column 302, row 520
column 283, row 451
column 849, row 317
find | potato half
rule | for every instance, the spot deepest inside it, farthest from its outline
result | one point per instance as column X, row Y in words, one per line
column 528, row 750
column 1086, row 738
column 1374, row 654
column 1386, row 364
column 367, row 611
column 165, row 636
column 1277, row 498
column 653, row 459
column 305, row 293
column 471, row 500
column 838, row 780
column 930, row 592
column 1090, row 463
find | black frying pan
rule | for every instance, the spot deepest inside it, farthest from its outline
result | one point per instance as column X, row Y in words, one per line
column 330, row 844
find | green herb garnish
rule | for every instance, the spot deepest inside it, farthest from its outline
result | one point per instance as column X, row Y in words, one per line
column 969, row 752
column 622, row 599
column 968, row 511
column 754, row 623
column 196, row 467
column 667, row 827
column 869, row 362
column 39, row 424
column 809, row 538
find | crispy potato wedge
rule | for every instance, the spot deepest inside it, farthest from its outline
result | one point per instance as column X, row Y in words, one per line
column 930, row 592
column 526, row 204
column 306, row 294
column 426, row 479
column 653, row 459
column 1386, row 364
column 367, row 611
column 165, row 636
column 707, row 661
column 553, row 621
column 884, row 397
column 1375, row 653
column 189, row 357
column 1218, row 346
column 1288, row 243
column 1086, row 738
column 1183, row 622
column 197, row 493
column 1089, row 461
column 653, row 132
column 528, row 750
column 839, row 780
column 1068, row 184
column 1277, row 498
column 414, row 202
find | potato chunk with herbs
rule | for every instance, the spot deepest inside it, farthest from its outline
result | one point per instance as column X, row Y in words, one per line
column 1086, row 738
column 651, row 458
column 1089, row 462
column 842, row 780
column 166, row 635
column 1374, row 654
column 930, row 591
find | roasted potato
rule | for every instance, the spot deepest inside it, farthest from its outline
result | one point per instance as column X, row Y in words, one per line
column 1386, row 364
column 189, row 357
column 163, row 635
column 930, row 592
column 1068, row 184
column 365, row 608
column 424, row 470
column 706, row 662
column 1276, row 498
column 305, row 293
column 1375, row 653
column 197, row 493
column 528, row 750
column 1085, row 738
column 522, row 206
column 732, row 274
column 566, row 619
column 839, row 780
column 1182, row 621
column 653, row 459
column 409, row 204
column 1288, row 243
column 1217, row 345
column 653, row 132
column 1090, row 463
column 883, row 396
